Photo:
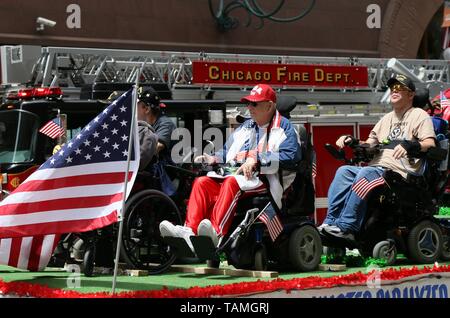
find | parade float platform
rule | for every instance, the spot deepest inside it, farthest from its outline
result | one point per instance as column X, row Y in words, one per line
column 402, row 281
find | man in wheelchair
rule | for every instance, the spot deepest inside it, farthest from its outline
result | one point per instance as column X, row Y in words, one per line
column 261, row 144
column 404, row 133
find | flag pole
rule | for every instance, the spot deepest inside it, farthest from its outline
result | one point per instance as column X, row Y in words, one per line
column 130, row 144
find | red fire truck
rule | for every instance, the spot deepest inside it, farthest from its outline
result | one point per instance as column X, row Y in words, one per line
column 335, row 96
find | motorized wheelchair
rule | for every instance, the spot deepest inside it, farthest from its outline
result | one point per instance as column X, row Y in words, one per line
column 400, row 213
column 248, row 244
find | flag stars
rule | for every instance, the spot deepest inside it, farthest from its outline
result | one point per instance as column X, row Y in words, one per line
column 61, row 152
column 88, row 157
column 96, row 119
column 69, row 145
column 87, row 143
column 87, row 127
column 114, row 117
column 114, row 131
column 52, row 161
column 106, row 154
column 125, row 153
column 79, row 136
column 96, row 148
column 96, row 134
column 123, row 109
column 105, row 140
column 105, row 126
column 115, row 146
column 124, row 138
column 78, row 151
column 123, row 123
column 105, row 111
column 69, row 159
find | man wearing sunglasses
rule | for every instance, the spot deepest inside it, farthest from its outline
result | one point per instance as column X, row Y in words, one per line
column 405, row 131
column 263, row 143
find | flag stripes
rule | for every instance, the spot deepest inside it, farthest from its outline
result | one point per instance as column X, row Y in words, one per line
column 444, row 101
column 363, row 187
column 273, row 224
column 32, row 253
column 52, row 129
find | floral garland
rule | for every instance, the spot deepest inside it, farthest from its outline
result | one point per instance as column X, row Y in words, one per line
column 22, row 289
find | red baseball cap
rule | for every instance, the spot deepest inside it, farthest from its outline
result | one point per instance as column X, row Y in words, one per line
column 260, row 93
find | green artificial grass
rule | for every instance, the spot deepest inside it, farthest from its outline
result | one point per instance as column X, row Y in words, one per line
column 58, row 278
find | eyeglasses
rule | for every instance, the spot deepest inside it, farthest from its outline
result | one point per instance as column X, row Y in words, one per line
column 399, row 88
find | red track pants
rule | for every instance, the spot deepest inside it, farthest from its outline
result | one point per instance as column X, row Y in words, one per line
column 216, row 199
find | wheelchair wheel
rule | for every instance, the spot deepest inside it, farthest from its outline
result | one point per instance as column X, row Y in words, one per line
column 305, row 248
column 445, row 254
column 385, row 250
column 261, row 259
column 425, row 242
column 89, row 261
column 142, row 244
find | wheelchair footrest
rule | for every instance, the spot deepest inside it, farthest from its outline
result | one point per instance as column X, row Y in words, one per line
column 204, row 247
column 333, row 241
column 179, row 246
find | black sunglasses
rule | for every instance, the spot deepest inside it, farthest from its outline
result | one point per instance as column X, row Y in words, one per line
column 254, row 104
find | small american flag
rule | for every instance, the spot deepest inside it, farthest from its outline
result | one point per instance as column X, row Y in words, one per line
column 53, row 128
column 444, row 101
column 80, row 188
column 363, row 187
column 270, row 218
column 314, row 170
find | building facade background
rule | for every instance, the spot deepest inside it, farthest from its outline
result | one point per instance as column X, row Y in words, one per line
column 332, row 28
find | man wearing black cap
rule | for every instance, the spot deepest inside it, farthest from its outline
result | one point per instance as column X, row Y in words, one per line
column 406, row 131
column 149, row 99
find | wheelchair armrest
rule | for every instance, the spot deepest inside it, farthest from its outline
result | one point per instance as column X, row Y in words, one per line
column 180, row 170
column 436, row 154
column 144, row 174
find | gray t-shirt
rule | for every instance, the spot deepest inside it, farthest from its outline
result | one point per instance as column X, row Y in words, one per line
column 163, row 128
column 147, row 141
column 415, row 124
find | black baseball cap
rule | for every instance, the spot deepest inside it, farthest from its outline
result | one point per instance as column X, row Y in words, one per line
column 149, row 97
column 402, row 79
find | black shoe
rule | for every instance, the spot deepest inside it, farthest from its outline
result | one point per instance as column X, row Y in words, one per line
column 337, row 232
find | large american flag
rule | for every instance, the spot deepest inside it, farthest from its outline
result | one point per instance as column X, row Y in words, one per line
column 270, row 218
column 53, row 128
column 80, row 188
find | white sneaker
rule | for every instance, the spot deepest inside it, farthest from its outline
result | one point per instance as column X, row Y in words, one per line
column 168, row 229
column 185, row 233
column 322, row 226
column 205, row 228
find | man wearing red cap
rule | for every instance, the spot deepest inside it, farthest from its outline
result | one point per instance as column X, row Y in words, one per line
column 267, row 140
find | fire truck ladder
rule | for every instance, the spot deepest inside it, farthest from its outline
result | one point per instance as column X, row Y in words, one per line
column 71, row 68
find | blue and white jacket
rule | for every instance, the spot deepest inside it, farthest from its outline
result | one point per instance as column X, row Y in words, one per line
column 280, row 147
